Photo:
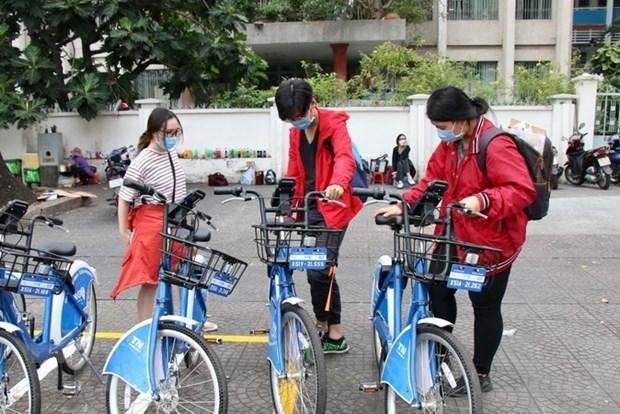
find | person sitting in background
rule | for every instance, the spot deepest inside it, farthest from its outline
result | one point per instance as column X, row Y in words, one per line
column 402, row 165
column 82, row 171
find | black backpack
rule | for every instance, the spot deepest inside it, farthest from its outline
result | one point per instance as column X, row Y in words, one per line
column 538, row 164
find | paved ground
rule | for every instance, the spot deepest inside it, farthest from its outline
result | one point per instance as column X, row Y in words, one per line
column 563, row 305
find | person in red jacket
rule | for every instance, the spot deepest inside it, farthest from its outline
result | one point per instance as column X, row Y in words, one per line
column 320, row 159
column 501, row 194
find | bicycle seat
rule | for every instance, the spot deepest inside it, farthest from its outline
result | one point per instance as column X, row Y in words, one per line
column 395, row 222
column 60, row 248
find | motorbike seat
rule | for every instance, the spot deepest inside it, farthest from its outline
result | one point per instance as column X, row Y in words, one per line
column 59, row 248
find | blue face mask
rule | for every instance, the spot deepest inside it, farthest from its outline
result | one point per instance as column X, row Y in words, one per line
column 448, row 135
column 169, row 142
column 303, row 123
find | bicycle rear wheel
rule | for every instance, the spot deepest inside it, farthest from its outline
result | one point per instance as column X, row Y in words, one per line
column 20, row 390
column 196, row 387
column 302, row 387
column 75, row 354
column 444, row 370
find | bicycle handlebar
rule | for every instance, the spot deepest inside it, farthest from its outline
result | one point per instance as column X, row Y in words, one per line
column 143, row 189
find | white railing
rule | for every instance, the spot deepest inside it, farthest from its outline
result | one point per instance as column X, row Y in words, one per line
column 584, row 37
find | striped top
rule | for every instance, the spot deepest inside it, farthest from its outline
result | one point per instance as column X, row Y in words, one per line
column 153, row 168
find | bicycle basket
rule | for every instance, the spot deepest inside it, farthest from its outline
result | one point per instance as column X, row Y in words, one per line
column 299, row 248
column 430, row 259
column 193, row 266
column 33, row 272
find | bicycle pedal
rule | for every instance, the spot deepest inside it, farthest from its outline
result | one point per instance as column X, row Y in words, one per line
column 71, row 388
column 259, row 331
column 370, row 387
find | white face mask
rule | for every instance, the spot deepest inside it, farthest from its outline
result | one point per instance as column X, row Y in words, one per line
column 402, row 142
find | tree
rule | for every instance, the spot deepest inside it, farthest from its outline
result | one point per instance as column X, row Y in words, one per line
column 606, row 60
column 84, row 55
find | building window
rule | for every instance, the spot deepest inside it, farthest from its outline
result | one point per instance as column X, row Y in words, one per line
column 534, row 9
column 486, row 70
column 147, row 84
column 472, row 10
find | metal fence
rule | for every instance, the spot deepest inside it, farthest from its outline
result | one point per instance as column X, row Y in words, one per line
column 473, row 9
column 534, row 9
column 607, row 112
column 147, row 86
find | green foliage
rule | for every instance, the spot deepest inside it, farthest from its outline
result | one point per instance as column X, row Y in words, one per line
column 323, row 9
column 606, row 61
column 534, row 86
column 201, row 42
column 413, row 11
column 328, row 89
column 243, row 97
column 277, row 11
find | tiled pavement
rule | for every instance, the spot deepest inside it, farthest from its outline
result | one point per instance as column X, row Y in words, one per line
column 563, row 302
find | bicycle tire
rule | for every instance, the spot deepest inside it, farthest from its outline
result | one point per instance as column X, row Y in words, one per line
column 75, row 362
column 17, row 357
column 440, row 390
column 213, row 397
column 307, row 359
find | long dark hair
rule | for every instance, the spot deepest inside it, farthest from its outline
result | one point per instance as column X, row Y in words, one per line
column 293, row 97
column 452, row 104
column 157, row 120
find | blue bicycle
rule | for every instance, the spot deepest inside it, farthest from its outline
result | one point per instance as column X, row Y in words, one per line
column 163, row 364
column 67, row 334
column 294, row 351
column 419, row 359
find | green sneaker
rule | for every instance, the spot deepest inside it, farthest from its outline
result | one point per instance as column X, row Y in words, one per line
column 338, row 346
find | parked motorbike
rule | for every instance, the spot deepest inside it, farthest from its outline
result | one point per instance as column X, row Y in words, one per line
column 592, row 166
column 556, row 170
column 614, row 157
column 116, row 164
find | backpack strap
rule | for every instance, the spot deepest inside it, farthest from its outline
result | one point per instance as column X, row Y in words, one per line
column 483, row 143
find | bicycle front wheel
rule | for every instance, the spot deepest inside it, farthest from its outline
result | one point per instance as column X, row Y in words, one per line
column 193, row 378
column 20, row 390
column 446, row 379
column 302, row 387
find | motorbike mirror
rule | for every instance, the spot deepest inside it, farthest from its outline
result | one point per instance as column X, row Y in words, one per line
column 581, row 125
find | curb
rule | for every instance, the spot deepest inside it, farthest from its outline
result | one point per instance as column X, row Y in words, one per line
column 58, row 206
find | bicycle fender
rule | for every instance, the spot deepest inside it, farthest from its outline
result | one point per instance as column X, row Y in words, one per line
column 396, row 369
column 176, row 318
column 9, row 327
column 293, row 300
column 128, row 359
column 438, row 322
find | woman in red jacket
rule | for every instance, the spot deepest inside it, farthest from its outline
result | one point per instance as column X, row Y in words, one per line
column 501, row 194
column 320, row 158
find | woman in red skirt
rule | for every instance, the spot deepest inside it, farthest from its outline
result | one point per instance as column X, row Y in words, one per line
column 140, row 219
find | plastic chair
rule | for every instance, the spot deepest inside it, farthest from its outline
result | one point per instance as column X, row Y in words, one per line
column 378, row 169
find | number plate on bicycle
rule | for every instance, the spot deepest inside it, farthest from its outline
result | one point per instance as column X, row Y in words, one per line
column 304, row 258
column 466, row 277
column 221, row 284
column 36, row 286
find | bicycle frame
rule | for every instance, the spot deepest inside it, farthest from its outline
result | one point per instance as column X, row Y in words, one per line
column 61, row 311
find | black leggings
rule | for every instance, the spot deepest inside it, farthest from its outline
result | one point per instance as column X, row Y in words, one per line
column 319, row 281
column 488, row 322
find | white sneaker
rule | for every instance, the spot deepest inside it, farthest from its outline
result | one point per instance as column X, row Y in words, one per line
column 209, row 327
column 410, row 179
column 399, row 184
